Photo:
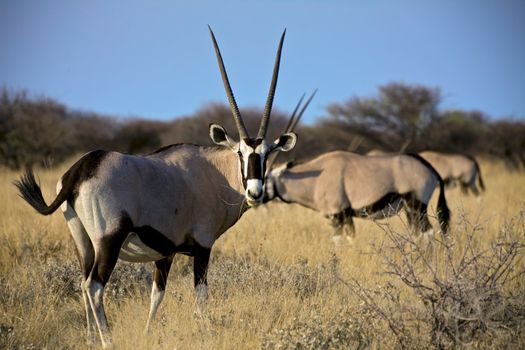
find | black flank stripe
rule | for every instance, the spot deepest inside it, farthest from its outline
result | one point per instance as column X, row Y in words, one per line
column 381, row 204
column 155, row 240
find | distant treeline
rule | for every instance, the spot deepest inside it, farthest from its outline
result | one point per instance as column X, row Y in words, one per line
column 401, row 117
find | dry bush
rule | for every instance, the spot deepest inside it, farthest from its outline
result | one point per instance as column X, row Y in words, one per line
column 465, row 292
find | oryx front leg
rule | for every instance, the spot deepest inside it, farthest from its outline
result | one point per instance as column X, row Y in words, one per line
column 200, row 272
column 160, row 278
column 343, row 225
column 349, row 229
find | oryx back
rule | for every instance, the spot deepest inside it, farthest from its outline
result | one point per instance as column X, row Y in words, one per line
column 339, row 180
column 455, row 168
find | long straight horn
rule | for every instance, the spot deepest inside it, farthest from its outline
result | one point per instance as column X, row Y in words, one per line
column 294, row 124
column 243, row 133
column 273, row 157
column 292, row 117
column 269, row 101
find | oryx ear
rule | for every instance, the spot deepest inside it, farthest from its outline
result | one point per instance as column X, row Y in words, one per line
column 285, row 142
column 220, row 137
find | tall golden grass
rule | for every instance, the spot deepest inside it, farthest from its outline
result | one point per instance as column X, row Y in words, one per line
column 276, row 280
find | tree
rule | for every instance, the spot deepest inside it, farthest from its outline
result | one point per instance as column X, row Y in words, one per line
column 456, row 131
column 391, row 120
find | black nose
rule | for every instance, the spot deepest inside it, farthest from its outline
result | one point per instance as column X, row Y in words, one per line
column 255, row 195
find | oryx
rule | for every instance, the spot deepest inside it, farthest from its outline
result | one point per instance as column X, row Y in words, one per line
column 342, row 185
column 456, row 168
column 179, row 199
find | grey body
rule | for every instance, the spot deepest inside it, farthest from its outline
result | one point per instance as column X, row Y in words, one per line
column 340, row 185
column 169, row 191
column 141, row 209
column 456, row 169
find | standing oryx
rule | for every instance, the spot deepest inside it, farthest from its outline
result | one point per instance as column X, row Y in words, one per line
column 341, row 185
column 456, row 168
column 179, row 199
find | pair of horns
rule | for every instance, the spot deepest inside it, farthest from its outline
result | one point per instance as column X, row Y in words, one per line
column 292, row 123
column 241, row 128
column 294, row 118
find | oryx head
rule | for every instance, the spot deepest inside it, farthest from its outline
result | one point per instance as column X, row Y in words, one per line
column 252, row 152
column 272, row 177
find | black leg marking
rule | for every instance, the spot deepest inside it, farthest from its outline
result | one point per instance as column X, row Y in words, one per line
column 342, row 222
column 336, row 221
column 160, row 278
column 349, row 227
column 162, row 269
column 417, row 214
column 201, row 257
column 107, row 255
column 200, row 264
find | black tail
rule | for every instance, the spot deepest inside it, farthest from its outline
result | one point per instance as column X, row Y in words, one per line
column 443, row 213
column 30, row 191
column 478, row 169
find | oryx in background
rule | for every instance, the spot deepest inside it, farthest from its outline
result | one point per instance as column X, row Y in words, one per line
column 179, row 199
column 341, row 185
column 454, row 169
column 457, row 169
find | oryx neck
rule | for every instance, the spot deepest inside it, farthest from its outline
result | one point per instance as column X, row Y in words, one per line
column 277, row 192
column 227, row 163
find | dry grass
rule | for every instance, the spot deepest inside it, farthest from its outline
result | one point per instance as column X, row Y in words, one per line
column 276, row 281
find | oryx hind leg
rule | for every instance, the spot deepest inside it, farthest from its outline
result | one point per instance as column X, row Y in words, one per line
column 469, row 186
column 473, row 187
column 107, row 249
column 160, row 278
column 417, row 216
column 86, row 256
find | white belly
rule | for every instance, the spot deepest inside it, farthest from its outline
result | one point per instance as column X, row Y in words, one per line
column 133, row 250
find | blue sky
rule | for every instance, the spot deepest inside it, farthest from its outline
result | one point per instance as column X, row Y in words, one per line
column 155, row 58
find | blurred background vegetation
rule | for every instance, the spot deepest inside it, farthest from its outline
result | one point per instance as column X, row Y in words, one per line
column 399, row 117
